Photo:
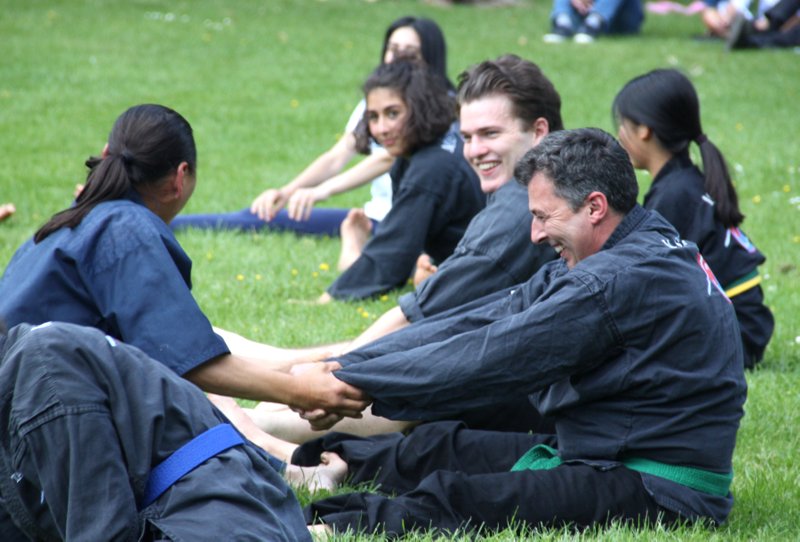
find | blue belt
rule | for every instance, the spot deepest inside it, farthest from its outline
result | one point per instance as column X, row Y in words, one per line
column 195, row 452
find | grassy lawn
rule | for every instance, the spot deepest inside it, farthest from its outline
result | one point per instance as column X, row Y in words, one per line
column 268, row 85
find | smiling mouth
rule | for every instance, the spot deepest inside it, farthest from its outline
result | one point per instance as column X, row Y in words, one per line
column 486, row 166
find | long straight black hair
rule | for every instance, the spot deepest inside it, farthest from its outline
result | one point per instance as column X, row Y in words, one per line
column 433, row 45
column 146, row 143
column 666, row 101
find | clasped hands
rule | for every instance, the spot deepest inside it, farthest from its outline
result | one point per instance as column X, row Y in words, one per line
column 324, row 399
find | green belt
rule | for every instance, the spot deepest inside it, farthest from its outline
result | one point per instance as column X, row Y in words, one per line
column 543, row 457
column 741, row 285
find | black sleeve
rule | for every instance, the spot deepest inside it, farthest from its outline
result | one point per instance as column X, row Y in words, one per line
column 388, row 258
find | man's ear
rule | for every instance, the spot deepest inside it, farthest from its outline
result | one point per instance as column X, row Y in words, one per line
column 597, row 206
column 539, row 130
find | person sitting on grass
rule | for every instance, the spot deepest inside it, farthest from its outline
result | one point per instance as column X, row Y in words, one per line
column 101, row 442
column 435, row 193
column 111, row 262
column 292, row 206
column 586, row 20
column 506, row 106
column 627, row 341
column 658, row 118
column 779, row 26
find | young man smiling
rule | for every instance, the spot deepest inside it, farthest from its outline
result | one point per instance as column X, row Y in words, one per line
column 626, row 341
column 507, row 106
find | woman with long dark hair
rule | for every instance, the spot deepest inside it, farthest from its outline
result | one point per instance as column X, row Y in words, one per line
column 435, row 192
column 292, row 207
column 111, row 262
column 658, row 117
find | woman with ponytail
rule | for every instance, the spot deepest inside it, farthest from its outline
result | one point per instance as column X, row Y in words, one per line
column 112, row 262
column 658, row 118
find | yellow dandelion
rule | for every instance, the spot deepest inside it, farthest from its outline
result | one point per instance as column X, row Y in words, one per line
column 360, row 309
column 384, row 297
column 295, row 272
column 294, row 103
column 239, row 277
column 324, row 267
column 365, row 314
column 315, row 274
column 258, row 276
column 796, row 239
column 739, row 126
column 787, row 188
column 756, row 199
column 209, row 255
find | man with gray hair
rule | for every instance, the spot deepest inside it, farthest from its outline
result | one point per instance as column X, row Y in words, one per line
column 626, row 341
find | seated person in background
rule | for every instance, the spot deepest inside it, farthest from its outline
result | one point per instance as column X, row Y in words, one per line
column 719, row 15
column 506, row 106
column 111, row 262
column 627, row 341
column 778, row 27
column 585, row 20
column 658, row 117
column 435, row 193
column 411, row 37
column 90, row 428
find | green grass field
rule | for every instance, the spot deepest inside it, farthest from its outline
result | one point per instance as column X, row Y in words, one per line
column 268, row 85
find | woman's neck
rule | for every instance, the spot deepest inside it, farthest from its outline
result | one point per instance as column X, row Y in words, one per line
column 658, row 157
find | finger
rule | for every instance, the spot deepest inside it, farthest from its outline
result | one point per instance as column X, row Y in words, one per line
column 309, row 206
column 347, row 412
column 325, row 423
column 315, row 414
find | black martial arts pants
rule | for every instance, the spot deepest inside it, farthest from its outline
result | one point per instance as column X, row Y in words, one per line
column 88, row 417
column 447, row 477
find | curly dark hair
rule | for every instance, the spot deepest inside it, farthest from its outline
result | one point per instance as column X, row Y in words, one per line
column 431, row 108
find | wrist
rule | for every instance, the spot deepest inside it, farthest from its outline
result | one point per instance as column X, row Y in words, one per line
column 322, row 192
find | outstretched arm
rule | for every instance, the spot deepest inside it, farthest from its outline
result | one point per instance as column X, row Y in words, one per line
column 303, row 199
column 315, row 389
column 328, row 164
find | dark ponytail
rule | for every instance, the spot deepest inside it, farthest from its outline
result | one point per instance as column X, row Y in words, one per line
column 146, row 143
column 718, row 184
column 666, row 102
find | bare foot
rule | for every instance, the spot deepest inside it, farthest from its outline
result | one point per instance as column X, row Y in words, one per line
column 355, row 231
column 320, row 531
column 238, row 417
column 327, row 475
column 6, row 210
